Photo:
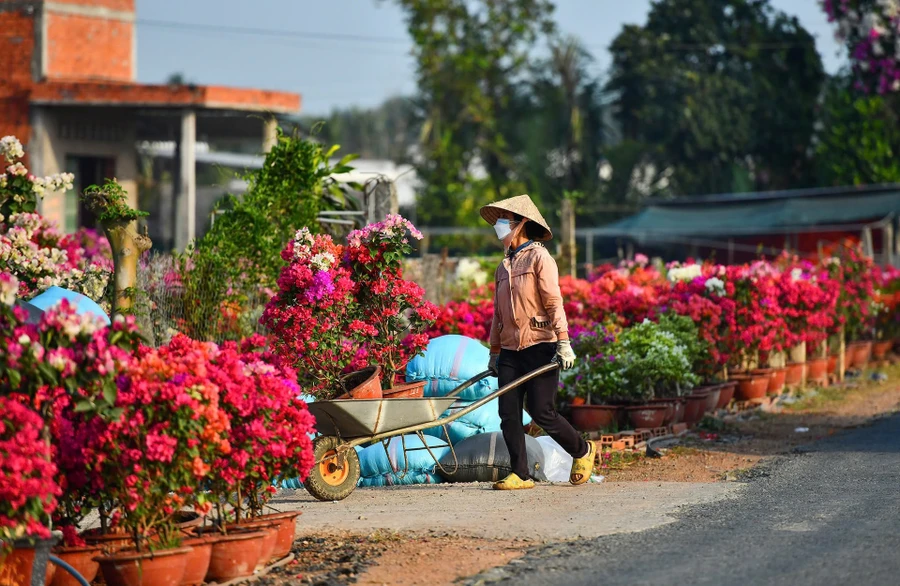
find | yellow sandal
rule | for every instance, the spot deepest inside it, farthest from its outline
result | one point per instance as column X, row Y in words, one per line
column 513, row 482
column 583, row 467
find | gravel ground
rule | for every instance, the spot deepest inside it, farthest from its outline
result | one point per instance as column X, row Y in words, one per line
column 827, row 514
column 550, row 512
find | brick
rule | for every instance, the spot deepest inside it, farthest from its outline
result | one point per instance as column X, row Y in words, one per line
column 678, row 428
column 619, row 445
column 87, row 47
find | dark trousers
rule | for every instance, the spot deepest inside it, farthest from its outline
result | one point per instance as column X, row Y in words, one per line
column 540, row 395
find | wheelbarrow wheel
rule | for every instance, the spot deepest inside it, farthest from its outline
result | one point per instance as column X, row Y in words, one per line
column 336, row 475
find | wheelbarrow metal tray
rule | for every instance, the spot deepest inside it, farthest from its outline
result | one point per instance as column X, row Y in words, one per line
column 355, row 418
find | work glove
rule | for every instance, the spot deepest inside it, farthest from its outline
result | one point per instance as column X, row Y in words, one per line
column 565, row 354
column 492, row 364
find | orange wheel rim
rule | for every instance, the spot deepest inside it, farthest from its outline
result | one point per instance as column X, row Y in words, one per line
column 331, row 471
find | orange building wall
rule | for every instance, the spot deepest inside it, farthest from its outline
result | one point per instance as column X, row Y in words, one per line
column 16, row 51
column 85, row 47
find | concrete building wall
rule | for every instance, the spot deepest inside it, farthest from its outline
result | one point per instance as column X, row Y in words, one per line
column 59, row 133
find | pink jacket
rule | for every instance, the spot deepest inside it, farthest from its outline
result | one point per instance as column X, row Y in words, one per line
column 528, row 306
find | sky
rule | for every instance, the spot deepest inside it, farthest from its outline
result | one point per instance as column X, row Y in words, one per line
column 342, row 53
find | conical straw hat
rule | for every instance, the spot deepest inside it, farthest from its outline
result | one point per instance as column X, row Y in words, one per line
column 522, row 205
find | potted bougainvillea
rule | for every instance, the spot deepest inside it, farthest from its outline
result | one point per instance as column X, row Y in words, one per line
column 342, row 309
column 28, row 494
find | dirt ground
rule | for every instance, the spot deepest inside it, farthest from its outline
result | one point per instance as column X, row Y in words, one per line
column 725, row 448
column 437, row 534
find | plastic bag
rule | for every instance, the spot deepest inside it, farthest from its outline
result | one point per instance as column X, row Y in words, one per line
column 557, row 462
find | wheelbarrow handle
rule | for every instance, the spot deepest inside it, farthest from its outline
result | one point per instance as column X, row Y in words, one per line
column 501, row 391
column 460, row 413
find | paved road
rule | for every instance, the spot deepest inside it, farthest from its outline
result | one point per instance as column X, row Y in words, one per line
column 829, row 514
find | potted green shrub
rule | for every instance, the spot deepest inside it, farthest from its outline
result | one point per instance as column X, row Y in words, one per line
column 654, row 364
column 595, row 380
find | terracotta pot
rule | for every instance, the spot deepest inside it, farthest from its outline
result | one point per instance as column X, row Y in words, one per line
column 270, row 528
column 646, row 416
column 592, row 417
column 752, row 387
column 234, row 556
column 287, row 527
column 197, row 561
column 188, row 521
column 414, row 390
column 108, row 542
column 860, row 355
column 776, row 382
column 726, row 393
column 831, row 365
column 794, row 374
column 18, row 567
column 159, row 568
column 80, row 558
column 712, row 399
column 817, row 369
column 679, row 411
column 880, row 349
column 693, row 408
column 669, row 404
column 363, row 384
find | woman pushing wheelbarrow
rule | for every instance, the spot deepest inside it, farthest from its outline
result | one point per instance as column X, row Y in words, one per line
column 529, row 329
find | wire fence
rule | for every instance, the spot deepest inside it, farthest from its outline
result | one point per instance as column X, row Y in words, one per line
column 214, row 310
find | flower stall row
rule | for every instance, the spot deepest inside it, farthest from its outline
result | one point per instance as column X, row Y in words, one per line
column 92, row 420
column 655, row 341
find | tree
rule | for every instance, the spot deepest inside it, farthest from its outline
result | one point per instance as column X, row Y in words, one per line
column 724, row 89
column 859, row 141
column 471, row 56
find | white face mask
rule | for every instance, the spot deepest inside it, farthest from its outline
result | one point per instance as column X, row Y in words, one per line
column 503, row 228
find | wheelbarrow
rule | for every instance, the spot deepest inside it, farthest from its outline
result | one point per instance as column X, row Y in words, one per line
column 346, row 424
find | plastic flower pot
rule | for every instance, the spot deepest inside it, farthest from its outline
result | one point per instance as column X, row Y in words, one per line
column 28, row 559
column 817, row 369
column 287, row 527
column 752, row 386
column 726, row 394
column 80, row 558
column 197, row 561
column 693, row 408
column 234, row 556
column 776, row 382
column 592, row 417
column 648, row 416
column 414, row 390
column 794, row 374
column 880, row 349
column 157, row 568
column 363, row 384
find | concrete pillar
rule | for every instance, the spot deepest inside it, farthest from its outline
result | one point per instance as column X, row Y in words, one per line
column 569, row 248
column 381, row 199
column 866, row 236
column 589, row 251
column 186, row 221
column 270, row 133
column 887, row 241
